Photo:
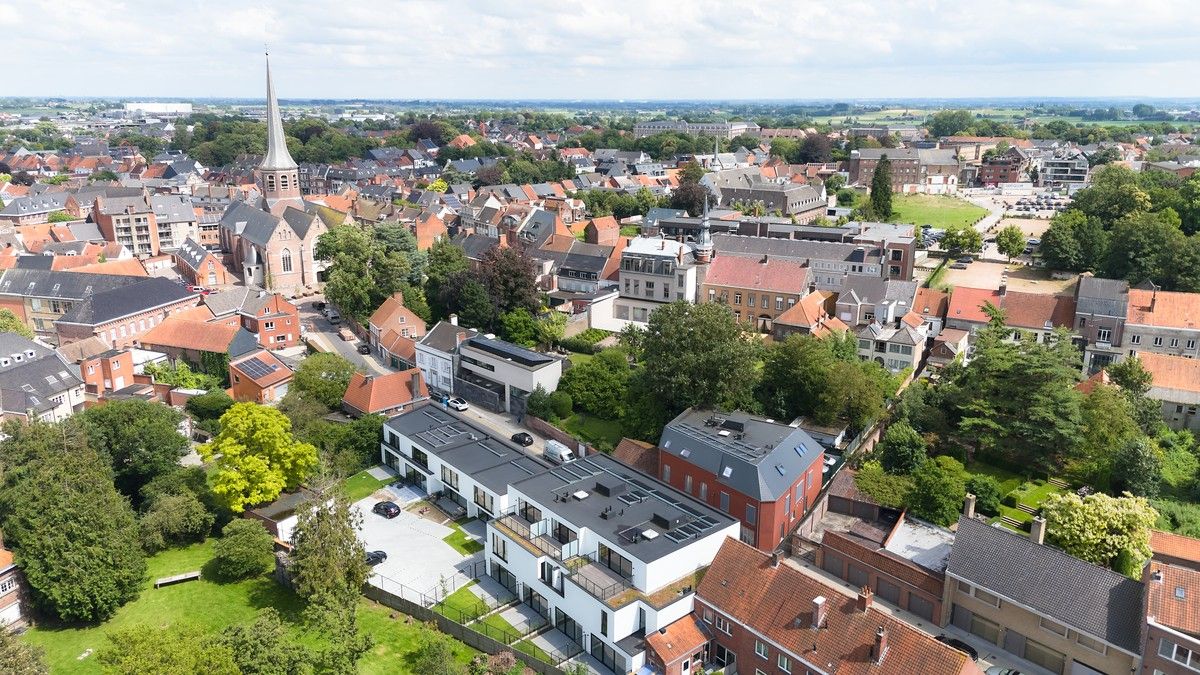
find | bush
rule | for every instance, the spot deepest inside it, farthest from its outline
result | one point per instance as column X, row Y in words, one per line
column 902, row 449
column 173, row 520
column 561, row 404
column 244, row 550
column 885, row 488
column 987, row 493
column 209, row 405
column 578, row 345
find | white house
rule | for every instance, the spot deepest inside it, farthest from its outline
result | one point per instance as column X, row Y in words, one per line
column 515, row 370
column 36, row 382
column 437, row 354
column 445, row 453
column 605, row 553
column 654, row 271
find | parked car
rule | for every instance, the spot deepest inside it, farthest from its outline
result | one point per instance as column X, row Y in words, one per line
column 375, row 557
column 198, row 289
column 958, row 266
column 364, row 349
column 966, row 260
column 1001, row 670
column 959, row 645
column 318, row 305
column 386, row 509
column 458, row 403
column 522, row 439
column 346, row 334
column 1033, row 241
column 334, row 317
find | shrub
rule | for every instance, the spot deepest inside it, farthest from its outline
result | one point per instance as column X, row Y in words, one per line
column 885, row 488
column 173, row 520
column 561, row 404
column 987, row 493
column 244, row 550
column 538, row 403
column 577, row 345
column 210, row 405
column 902, row 449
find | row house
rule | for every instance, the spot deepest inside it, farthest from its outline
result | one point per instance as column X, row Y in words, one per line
column 830, row 264
column 763, row 473
column 653, row 272
column 812, row 315
column 392, row 332
column 102, row 368
column 36, row 383
column 1171, row 634
column 1116, row 321
column 768, row 616
column 1175, row 384
column 758, row 290
column 272, row 318
column 1038, row 314
column 36, row 209
column 608, row 555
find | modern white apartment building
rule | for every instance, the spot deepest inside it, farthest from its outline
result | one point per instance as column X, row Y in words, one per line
column 654, row 271
column 605, row 553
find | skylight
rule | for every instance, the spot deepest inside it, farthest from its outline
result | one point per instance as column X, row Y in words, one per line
column 727, row 472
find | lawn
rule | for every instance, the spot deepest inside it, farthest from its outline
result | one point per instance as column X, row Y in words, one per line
column 462, row 605
column 501, row 629
column 461, row 541
column 396, row 641
column 594, row 430
column 363, row 484
column 940, row 211
column 577, row 358
column 1008, row 480
column 209, row 607
column 533, row 650
column 630, row 230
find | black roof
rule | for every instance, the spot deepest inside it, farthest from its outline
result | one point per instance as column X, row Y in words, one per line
column 1092, row 599
column 145, row 294
column 510, row 351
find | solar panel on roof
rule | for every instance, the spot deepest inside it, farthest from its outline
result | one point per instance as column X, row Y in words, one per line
column 256, row 368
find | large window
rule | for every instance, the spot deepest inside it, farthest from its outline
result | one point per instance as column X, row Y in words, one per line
column 751, row 514
column 484, row 500
column 286, row 260
column 449, row 477
column 1178, row 654
column 500, row 547
column 615, row 562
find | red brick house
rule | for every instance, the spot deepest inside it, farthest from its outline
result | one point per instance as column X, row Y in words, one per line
column 766, row 474
column 12, row 593
column 270, row 316
column 769, row 617
column 260, row 377
column 200, row 266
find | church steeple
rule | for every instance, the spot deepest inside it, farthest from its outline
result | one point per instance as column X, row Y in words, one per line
column 279, row 172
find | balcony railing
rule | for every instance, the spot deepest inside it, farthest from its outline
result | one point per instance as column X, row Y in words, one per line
column 538, row 535
column 599, row 581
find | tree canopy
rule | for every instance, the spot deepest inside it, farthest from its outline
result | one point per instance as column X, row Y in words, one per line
column 256, row 456
column 324, row 377
column 1109, row 531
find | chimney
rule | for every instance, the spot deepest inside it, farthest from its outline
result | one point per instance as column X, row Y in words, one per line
column 453, row 319
column 1153, row 298
column 864, row 598
column 881, row 644
column 1037, row 531
column 775, row 559
column 969, row 506
column 1003, row 285
column 818, row 613
column 415, row 383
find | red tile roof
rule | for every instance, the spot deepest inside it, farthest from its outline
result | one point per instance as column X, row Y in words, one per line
column 931, row 302
column 1172, row 372
column 1034, row 310
column 966, row 304
column 1163, row 308
column 761, row 274
column 640, row 455
column 189, row 334
column 678, row 640
column 380, row 393
column 1175, row 545
column 1175, row 599
column 777, row 602
column 393, row 314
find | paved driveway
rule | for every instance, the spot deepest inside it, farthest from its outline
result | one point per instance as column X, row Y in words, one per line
column 417, row 556
column 326, row 335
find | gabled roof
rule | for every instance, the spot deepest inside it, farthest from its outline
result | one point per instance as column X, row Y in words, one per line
column 262, row 367
column 393, row 314
column 1037, row 311
column 1175, row 546
column 198, row 336
column 1173, row 597
column 142, row 295
column 249, row 222
column 370, row 394
column 777, row 602
column 443, row 337
column 1171, row 374
column 966, row 304
column 191, row 254
column 1168, row 309
column 780, row 275
column 1092, row 599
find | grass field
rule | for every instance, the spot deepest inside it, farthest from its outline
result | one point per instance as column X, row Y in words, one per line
column 594, row 430
column 460, row 541
column 533, row 650
column 462, row 605
column 209, row 607
column 577, row 358
column 940, row 211
column 362, row 484
column 499, row 625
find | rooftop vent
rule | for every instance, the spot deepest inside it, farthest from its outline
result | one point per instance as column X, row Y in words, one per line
column 649, row 534
column 723, row 432
column 580, row 494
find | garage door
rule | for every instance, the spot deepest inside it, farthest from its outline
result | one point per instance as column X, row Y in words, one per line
column 857, row 576
column 920, row 606
column 888, row 591
column 1078, row 668
column 833, row 564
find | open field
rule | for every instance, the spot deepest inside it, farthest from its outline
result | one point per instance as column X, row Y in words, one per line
column 940, row 211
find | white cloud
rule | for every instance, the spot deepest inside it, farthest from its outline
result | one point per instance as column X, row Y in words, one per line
column 619, row 49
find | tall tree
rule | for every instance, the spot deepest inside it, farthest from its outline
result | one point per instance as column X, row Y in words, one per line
column 902, row 450
column 1137, row 468
column 263, row 647
column 814, row 148
column 881, row 188
column 11, row 323
column 256, row 456
column 694, row 355
column 74, row 536
column 141, row 439
column 465, row 296
column 937, row 494
column 446, row 260
column 328, row 564
column 508, row 275
column 362, row 273
column 325, row 377
column 1143, row 246
column 1010, row 241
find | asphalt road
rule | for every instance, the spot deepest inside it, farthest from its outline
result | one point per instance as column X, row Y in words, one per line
column 325, row 334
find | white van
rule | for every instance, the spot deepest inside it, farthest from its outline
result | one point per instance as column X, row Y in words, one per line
column 558, row 453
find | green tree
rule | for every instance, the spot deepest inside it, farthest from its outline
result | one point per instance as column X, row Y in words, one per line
column 141, row 439
column 834, row 183
column 18, row 657
column 435, row 655
column 416, row 302
column 439, row 186
column 598, row 386
column 551, row 328
column 74, row 536
column 937, row 494
column 1109, row 531
column 10, row 323
column 1113, row 195
column 264, row 648
column 245, row 549
column 362, row 272
column 329, row 569
column 324, row 377
column 256, row 457
column 210, row 405
column 963, row 238
column 693, row 355
column 538, row 403
column 173, row 520
column 174, row 650
column 822, row 379
column 1137, row 468
column 881, row 188
column 1108, row 426
column 1143, row 246
column 446, row 261
column 950, row 123
column 902, row 450
column 987, row 493
column 508, row 275
column 1010, row 241
column 519, row 327
column 181, row 375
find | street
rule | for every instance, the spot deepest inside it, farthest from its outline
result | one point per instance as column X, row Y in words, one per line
column 325, row 335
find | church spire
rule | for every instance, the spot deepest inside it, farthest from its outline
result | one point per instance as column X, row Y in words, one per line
column 277, row 156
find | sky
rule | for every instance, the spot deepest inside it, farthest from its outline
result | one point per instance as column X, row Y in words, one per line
column 606, row 49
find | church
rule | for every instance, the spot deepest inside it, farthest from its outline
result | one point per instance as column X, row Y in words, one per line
column 271, row 239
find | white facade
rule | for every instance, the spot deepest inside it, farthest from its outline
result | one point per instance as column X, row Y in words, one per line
column 654, row 272
column 518, row 370
column 437, row 367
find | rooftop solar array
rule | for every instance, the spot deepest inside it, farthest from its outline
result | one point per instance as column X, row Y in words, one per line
column 256, row 368
column 508, row 350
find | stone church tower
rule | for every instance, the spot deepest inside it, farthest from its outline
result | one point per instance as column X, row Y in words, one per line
column 278, row 174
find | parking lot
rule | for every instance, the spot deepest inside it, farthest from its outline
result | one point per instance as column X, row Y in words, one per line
column 417, row 556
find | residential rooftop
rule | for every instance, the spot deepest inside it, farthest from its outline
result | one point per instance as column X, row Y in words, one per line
column 646, row 518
